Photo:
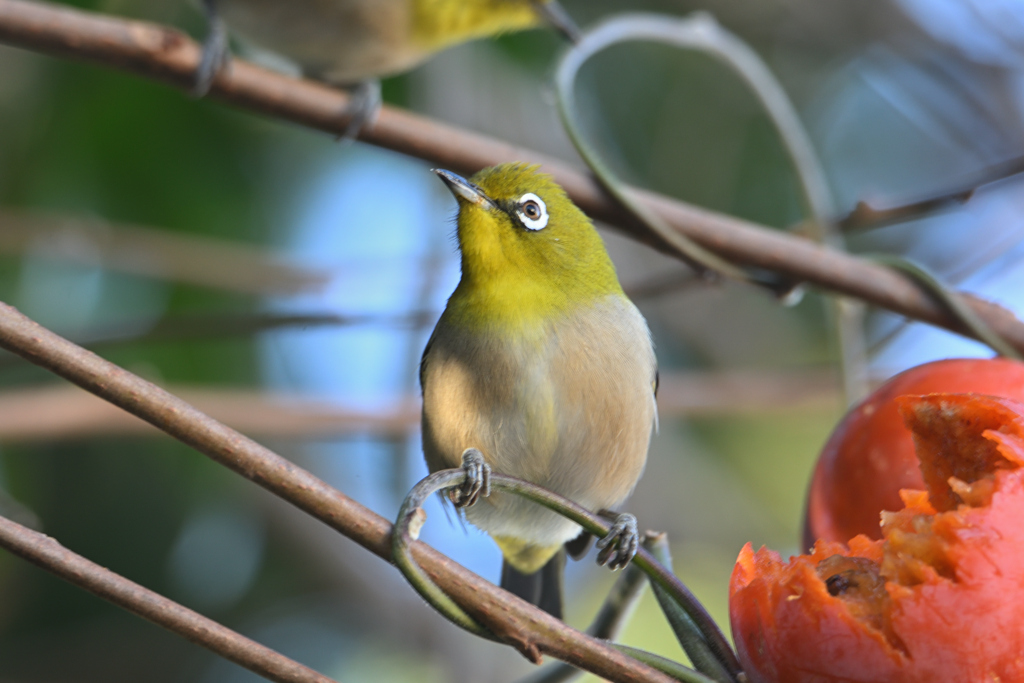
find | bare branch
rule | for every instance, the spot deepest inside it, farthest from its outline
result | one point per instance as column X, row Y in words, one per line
column 47, row 553
column 189, row 259
column 169, row 56
column 411, row 519
column 867, row 217
column 527, row 628
column 691, row 394
column 221, row 324
column 62, row 412
column 609, row 622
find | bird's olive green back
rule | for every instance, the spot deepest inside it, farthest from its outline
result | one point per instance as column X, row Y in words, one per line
column 516, row 278
column 440, row 23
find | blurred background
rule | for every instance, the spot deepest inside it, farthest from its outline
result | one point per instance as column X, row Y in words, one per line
column 286, row 284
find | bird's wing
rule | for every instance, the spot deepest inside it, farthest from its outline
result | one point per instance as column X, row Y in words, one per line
column 423, row 358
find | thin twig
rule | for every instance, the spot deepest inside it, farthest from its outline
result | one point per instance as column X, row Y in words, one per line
column 658, row 574
column 149, row 252
column 618, row 29
column 952, row 300
column 204, row 326
column 866, row 217
column 201, row 326
column 622, row 599
column 681, row 673
column 47, row 553
column 610, row 620
column 700, row 32
column 735, row 392
column 695, row 647
column 515, row 622
column 411, row 518
column 167, row 55
column 65, row 412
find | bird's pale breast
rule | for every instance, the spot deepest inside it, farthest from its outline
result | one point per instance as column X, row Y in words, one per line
column 339, row 41
column 346, row 41
column 571, row 409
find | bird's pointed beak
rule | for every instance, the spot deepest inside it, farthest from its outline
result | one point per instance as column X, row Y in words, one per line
column 463, row 189
column 555, row 14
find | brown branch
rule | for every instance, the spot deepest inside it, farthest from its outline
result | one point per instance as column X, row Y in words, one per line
column 167, row 55
column 866, row 217
column 221, row 324
column 189, row 259
column 63, row 412
column 611, row 618
column 47, row 553
column 515, row 622
column 703, row 394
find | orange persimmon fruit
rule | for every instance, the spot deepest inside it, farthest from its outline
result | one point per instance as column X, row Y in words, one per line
column 939, row 598
column 870, row 455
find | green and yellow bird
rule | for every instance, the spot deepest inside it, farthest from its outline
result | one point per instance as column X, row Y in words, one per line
column 541, row 368
column 356, row 42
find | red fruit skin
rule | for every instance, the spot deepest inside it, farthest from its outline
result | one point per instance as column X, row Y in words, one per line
column 870, row 455
column 967, row 628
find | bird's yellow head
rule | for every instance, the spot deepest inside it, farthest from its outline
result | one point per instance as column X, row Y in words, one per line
column 528, row 253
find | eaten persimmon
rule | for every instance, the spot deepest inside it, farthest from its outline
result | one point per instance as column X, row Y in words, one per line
column 939, row 598
column 870, row 455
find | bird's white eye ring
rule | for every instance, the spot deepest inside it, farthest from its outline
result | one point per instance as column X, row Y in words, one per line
column 532, row 211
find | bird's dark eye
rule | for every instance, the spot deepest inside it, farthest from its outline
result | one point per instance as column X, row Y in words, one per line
column 532, row 212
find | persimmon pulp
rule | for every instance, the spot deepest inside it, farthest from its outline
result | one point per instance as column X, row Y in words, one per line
column 938, row 599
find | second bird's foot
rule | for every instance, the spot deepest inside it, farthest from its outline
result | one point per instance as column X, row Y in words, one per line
column 477, row 482
column 620, row 544
column 363, row 108
column 216, row 52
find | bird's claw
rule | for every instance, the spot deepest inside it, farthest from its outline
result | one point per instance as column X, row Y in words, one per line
column 216, row 51
column 620, row 544
column 364, row 108
column 477, row 482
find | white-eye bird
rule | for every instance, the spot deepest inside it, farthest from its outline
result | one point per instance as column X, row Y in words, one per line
column 356, row 42
column 542, row 366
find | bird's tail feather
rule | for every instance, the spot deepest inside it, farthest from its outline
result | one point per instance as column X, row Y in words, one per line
column 577, row 548
column 542, row 588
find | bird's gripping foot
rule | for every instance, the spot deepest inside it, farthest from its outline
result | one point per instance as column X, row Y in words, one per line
column 363, row 108
column 477, row 482
column 216, row 52
column 619, row 546
column 559, row 19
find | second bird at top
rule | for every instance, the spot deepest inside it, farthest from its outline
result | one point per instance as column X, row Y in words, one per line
column 356, row 42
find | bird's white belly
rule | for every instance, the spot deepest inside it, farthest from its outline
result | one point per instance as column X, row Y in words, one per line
column 572, row 413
